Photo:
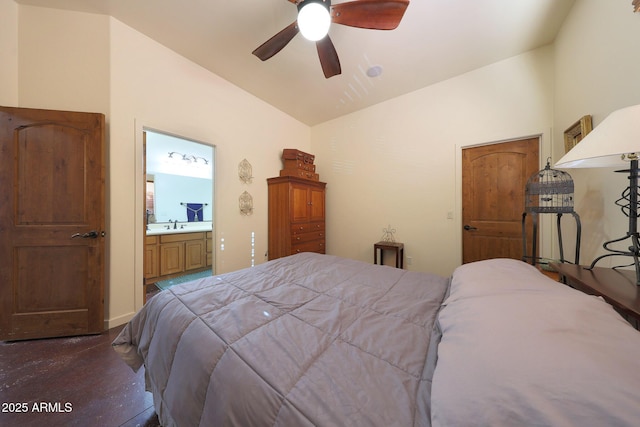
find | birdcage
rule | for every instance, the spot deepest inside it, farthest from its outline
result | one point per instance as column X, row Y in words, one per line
column 549, row 191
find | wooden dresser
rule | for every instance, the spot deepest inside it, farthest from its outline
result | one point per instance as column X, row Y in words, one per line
column 296, row 216
column 617, row 287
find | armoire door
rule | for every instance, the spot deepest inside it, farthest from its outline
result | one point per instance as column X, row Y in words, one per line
column 52, row 228
column 316, row 204
column 299, row 203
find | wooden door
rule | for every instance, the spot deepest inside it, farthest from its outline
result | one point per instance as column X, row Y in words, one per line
column 494, row 178
column 151, row 266
column 194, row 254
column 171, row 258
column 52, row 223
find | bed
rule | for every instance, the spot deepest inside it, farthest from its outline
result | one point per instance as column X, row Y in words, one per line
column 318, row 340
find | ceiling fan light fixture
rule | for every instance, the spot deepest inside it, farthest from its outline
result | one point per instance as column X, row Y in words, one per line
column 314, row 19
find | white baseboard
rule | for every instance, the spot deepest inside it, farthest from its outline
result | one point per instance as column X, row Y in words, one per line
column 117, row 321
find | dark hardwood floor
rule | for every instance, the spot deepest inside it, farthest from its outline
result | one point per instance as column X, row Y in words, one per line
column 77, row 381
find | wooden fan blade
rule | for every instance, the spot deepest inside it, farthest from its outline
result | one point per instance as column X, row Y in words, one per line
column 328, row 57
column 370, row 14
column 275, row 44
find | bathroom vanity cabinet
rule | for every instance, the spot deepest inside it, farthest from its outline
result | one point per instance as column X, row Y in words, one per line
column 175, row 254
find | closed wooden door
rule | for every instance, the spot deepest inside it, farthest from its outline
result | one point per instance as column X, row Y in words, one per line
column 307, row 203
column 194, row 254
column 151, row 266
column 316, row 207
column 299, row 203
column 52, row 223
column 171, row 258
column 494, row 178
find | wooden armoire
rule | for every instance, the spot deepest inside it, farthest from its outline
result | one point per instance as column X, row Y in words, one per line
column 296, row 216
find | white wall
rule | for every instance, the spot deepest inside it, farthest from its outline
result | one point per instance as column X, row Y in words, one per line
column 63, row 60
column 9, row 53
column 398, row 163
column 597, row 64
column 153, row 87
column 78, row 61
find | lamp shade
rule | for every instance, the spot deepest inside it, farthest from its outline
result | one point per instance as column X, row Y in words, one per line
column 604, row 146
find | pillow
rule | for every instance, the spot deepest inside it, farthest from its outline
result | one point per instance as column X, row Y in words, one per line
column 518, row 348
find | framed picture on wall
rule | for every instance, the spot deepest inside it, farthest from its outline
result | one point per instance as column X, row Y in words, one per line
column 576, row 132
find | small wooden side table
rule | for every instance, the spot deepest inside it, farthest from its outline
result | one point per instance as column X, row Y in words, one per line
column 617, row 287
column 397, row 247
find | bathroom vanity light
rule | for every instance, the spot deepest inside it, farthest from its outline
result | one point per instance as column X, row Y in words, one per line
column 189, row 158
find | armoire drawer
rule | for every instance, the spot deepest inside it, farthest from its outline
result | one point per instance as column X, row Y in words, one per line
column 307, row 237
column 317, row 246
column 306, row 227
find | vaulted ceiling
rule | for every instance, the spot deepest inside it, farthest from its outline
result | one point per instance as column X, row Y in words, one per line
column 436, row 40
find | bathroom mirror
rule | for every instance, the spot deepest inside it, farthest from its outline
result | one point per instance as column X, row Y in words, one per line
column 179, row 182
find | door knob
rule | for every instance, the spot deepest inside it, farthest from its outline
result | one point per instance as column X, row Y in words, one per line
column 90, row 235
column 468, row 227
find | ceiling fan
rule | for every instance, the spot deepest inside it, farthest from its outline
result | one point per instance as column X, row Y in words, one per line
column 369, row 14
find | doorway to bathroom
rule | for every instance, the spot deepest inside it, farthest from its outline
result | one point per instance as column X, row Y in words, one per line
column 178, row 210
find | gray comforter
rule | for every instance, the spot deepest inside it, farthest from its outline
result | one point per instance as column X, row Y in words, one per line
column 299, row 341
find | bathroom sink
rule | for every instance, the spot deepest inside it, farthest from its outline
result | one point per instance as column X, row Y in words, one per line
column 185, row 227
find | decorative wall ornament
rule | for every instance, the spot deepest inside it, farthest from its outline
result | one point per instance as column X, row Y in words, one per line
column 246, row 203
column 245, row 171
column 636, row 5
column 388, row 234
